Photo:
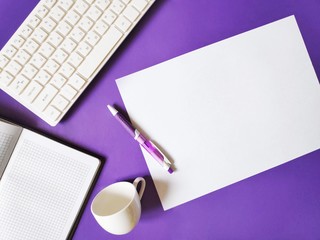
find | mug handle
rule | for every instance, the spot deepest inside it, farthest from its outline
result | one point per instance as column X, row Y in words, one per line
column 143, row 185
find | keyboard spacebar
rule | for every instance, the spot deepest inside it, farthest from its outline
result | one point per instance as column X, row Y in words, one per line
column 100, row 52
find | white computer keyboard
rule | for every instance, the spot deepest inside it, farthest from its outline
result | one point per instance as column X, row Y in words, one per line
column 60, row 47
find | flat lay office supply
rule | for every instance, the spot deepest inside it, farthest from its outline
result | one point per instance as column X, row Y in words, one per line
column 117, row 208
column 148, row 145
column 43, row 185
column 60, row 48
column 227, row 111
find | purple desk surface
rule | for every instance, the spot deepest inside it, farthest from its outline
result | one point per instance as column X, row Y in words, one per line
column 282, row 203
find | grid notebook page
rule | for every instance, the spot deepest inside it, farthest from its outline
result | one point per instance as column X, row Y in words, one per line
column 9, row 135
column 43, row 189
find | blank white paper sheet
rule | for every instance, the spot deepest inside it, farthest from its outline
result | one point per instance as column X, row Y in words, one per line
column 227, row 111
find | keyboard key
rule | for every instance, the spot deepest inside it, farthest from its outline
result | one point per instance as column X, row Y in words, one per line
column 92, row 38
column 42, row 77
column 123, row 24
column 68, row 45
column 25, row 31
column 49, row 3
column 84, row 49
column 72, row 17
column 3, row 61
column 51, row 66
column 55, row 39
column 66, row 70
column 57, row 14
column 31, row 46
column 102, row 4
column 58, row 81
column 38, row 60
column 52, row 113
column 94, row 13
column 68, row 92
column 48, row 25
column 75, row 59
column 45, row 97
column 33, row 21
column 131, row 13
column 109, row 17
column 31, row 91
column 117, row 6
column 41, row 11
column 13, row 68
column 81, row 7
column 5, row 79
column 99, row 53
column 59, row 56
column 100, row 27
column 17, row 42
column 77, row 34
column 139, row 4
column 9, row 51
column 29, row 71
column 22, row 57
column 46, row 50
column 60, row 102
column 64, row 28
column 76, row 82
column 65, row 4
column 39, row 35
column 19, row 84
column 86, row 24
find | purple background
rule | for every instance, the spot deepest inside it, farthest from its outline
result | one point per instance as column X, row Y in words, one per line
column 282, row 203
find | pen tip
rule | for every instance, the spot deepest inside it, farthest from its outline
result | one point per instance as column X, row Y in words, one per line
column 112, row 110
column 170, row 170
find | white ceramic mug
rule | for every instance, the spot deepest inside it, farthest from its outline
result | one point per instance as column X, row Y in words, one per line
column 117, row 208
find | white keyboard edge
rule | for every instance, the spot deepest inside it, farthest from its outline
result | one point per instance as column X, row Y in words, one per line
column 98, row 69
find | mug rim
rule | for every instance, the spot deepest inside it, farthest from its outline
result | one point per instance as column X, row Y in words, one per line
column 123, row 208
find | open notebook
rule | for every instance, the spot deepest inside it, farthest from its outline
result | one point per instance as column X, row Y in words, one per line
column 43, row 185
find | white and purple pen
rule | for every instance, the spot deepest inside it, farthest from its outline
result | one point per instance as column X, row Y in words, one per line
column 143, row 141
